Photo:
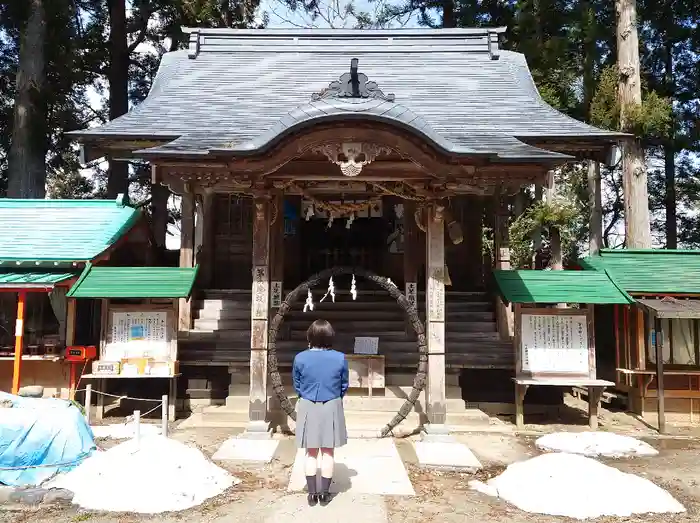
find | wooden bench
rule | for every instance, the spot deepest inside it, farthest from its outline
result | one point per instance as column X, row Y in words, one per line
column 595, row 390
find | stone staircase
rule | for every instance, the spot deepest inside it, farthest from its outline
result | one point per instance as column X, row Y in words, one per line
column 221, row 337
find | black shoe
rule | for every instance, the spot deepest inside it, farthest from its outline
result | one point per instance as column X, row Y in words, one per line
column 312, row 498
column 325, row 498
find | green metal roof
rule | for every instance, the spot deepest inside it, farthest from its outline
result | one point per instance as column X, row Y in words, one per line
column 61, row 231
column 650, row 271
column 32, row 278
column 134, row 282
column 530, row 286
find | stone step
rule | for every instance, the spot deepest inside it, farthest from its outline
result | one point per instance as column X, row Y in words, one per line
column 221, row 325
column 210, row 313
column 389, row 349
column 360, row 403
column 359, row 423
column 494, row 356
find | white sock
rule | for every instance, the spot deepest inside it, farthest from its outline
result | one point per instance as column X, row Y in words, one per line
column 327, row 463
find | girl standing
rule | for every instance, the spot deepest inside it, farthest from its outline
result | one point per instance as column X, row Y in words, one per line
column 321, row 380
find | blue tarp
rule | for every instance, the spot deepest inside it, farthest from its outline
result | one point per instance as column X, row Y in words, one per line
column 49, row 434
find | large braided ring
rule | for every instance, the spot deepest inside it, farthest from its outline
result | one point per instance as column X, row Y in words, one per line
column 411, row 313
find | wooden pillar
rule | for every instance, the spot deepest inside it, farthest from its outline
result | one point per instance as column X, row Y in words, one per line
column 277, row 251
column 411, row 254
column 205, row 256
column 257, row 410
column 435, row 314
column 186, row 254
column 504, row 313
column 658, row 347
column 70, row 340
column 19, row 341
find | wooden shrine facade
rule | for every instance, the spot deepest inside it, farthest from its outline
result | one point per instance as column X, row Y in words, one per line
column 259, row 130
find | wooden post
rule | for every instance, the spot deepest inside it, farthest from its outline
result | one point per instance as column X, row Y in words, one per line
column 277, row 251
column 70, row 340
column 186, row 254
column 88, row 402
column 19, row 341
column 504, row 313
column 260, row 304
column 658, row 342
column 435, row 314
column 164, row 416
column 411, row 255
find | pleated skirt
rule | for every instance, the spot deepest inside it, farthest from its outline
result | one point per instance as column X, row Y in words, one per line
column 321, row 425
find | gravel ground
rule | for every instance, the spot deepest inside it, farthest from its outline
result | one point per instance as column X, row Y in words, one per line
column 440, row 496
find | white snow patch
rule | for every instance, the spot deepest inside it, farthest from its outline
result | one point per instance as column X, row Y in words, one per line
column 556, row 484
column 158, row 475
column 124, row 430
column 594, row 444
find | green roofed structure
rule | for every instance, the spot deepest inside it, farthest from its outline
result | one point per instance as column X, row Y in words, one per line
column 666, row 286
column 134, row 282
column 60, row 232
column 546, row 287
column 650, row 271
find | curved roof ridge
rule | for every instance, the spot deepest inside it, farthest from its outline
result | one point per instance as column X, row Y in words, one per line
column 521, row 71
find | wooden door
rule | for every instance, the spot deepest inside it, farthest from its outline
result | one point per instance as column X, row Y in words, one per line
column 233, row 242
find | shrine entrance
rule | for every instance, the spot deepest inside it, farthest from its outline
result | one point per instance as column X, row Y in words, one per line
column 356, row 241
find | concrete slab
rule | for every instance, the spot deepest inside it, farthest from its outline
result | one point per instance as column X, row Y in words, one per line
column 496, row 449
column 446, row 454
column 344, row 508
column 246, row 449
column 363, row 466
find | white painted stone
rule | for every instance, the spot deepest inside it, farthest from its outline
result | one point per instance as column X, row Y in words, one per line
column 446, row 454
column 363, row 466
column 246, row 449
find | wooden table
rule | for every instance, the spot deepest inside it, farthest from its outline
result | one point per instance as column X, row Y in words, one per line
column 595, row 390
column 101, row 382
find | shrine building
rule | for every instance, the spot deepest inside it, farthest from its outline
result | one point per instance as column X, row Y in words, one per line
column 296, row 151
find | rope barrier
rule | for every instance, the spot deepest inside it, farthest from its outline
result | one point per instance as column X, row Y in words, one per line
column 120, row 397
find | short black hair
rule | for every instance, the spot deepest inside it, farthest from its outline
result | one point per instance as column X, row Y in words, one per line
column 320, row 335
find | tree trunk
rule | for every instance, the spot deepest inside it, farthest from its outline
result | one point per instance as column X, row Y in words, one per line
column 595, row 203
column 448, row 13
column 670, row 159
column 634, row 173
column 557, row 261
column 27, row 155
column 537, row 235
column 118, row 76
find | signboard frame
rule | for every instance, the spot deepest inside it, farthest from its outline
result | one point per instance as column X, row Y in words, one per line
column 109, row 310
column 586, row 312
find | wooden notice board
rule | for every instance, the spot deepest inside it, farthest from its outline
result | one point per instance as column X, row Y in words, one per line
column 139, row 331
column 554, row 343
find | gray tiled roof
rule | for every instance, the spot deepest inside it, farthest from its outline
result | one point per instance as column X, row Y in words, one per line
column 241, row 90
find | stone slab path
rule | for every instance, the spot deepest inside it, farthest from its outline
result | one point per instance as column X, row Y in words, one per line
column 363, row 466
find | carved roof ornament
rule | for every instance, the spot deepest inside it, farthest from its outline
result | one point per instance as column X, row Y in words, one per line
column 351, row 157
column 353, row 85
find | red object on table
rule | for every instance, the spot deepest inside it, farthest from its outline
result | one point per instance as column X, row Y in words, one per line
column 80, row 353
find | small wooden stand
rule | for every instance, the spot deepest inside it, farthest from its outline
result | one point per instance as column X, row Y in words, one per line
column 558, row 333
column 369, row 370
